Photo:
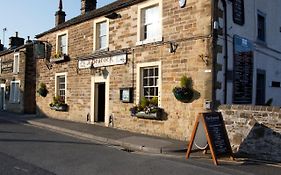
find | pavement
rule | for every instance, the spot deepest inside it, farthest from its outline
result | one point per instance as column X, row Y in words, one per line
column 129, row 141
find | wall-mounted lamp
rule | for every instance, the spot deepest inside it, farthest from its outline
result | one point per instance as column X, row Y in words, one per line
column 205, row 59
column 113, row 15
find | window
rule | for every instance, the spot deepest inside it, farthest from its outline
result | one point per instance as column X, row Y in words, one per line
column 101, row 34
column 16, row 63
column 15, row 92
column 150, row 22
column 61, row 85
column 261, row 27
column 62, row 43
column 149, row 81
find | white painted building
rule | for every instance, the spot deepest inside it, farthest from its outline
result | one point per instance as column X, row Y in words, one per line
column 252, row 32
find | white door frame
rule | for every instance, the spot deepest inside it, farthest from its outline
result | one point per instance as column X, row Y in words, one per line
column 94, row 81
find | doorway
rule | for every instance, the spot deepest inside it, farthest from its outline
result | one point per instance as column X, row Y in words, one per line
column 260, row 87
column 100, row 102
column 2, row 97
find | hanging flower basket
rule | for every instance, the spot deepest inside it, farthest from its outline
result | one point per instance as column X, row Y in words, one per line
column 42, row 91
column 183, row 94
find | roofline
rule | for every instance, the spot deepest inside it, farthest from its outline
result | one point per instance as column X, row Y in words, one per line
column 112, row 7
column 8, row 51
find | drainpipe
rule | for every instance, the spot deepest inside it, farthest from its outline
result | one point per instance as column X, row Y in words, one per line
column 225, row 51
column 214, row 52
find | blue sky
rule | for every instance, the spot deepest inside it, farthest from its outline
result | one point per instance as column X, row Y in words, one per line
column 31, row 17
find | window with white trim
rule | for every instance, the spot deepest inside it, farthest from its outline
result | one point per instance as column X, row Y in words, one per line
column 61, row 85
column 15, row 92
column 16, row 63
column 261, row 26
column 101, row 31
column 150, row 22
column 149, row 84
column 149, row 81
column 62, row 43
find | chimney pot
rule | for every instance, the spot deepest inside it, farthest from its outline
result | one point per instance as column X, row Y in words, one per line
column 88, row 5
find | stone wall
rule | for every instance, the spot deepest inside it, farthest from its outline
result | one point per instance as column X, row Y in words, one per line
column 254, row 130
column 188, row 27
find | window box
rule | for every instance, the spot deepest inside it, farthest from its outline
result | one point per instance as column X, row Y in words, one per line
column 62, row 107
column 58, row 104
column 58, row 58
column 152, row 115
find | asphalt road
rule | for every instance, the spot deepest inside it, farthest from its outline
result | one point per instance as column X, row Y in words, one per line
column 30, row 150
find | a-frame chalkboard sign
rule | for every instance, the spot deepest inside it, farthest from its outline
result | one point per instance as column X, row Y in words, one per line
column 209, row 133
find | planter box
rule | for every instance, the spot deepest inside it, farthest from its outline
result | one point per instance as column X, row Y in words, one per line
column 156, row 115
column 59, row 59
column 59, row 108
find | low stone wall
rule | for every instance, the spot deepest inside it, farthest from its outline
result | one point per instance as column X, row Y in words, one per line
column 254, row 130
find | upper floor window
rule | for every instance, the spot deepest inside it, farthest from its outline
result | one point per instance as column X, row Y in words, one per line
column 62, row 43
column 16, row 63
column 101, row 31
column 150, row 22
column 261, row 26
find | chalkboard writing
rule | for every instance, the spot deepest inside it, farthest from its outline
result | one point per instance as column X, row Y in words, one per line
column 212, row 136
column 217, row 134
column 243, row 71
column 238, row 12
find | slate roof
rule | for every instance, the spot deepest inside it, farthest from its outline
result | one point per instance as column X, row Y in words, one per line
column 112, row 7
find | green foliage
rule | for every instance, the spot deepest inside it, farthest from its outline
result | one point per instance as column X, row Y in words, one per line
column 143, row 103
column 154, row 101
column 58, row 101
column 42, row 90
column 185, row 82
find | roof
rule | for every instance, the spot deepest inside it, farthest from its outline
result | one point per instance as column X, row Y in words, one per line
column 119, row 4
column 14, row 49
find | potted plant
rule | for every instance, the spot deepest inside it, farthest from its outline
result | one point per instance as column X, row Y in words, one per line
column 58, row 57
column 184, row 93
column 42, row 91
column 147, row 109
column 58, row 104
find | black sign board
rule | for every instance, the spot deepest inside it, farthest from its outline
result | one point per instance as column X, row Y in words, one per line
column 238, row 13
column 7, row 66
column 243, row 70
column 214, row 136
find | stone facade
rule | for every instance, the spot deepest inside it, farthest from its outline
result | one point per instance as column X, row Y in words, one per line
column 189, row 28
column 25, row 76
column 254, row 130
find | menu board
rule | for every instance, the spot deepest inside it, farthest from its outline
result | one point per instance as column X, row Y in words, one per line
column 243, row 71
column 214, row 133
column 238, row 12
column 7, row 66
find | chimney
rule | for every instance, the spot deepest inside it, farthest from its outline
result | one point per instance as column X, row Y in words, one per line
column 88, row 5
column 60, row 15
column 16, row 41
column 1, row 46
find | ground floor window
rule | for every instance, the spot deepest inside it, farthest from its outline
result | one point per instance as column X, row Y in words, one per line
column 15, row 92
column 61, row 85
column 149, row 81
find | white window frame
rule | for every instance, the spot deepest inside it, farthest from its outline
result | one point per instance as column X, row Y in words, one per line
column 16, row 63
column 140, row 66
column 96, row 22
column 57, row 41
column 56, row 84
column 142, row 7
column 12, row 98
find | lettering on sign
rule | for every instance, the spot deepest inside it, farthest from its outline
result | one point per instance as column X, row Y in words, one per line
column 7, row 66
column 103, row 62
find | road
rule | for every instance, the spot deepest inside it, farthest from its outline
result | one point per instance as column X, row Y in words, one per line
column 27, row 149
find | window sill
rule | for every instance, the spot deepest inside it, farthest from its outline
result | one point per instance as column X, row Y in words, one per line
column 151, row 40
column 101, row 50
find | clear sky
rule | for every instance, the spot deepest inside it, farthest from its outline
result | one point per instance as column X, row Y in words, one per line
column 31, row 17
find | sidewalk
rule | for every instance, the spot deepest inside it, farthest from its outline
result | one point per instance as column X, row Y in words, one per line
column 106, row 135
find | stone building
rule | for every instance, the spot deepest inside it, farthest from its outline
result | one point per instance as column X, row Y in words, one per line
column 107, row 60
column 17, row 76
